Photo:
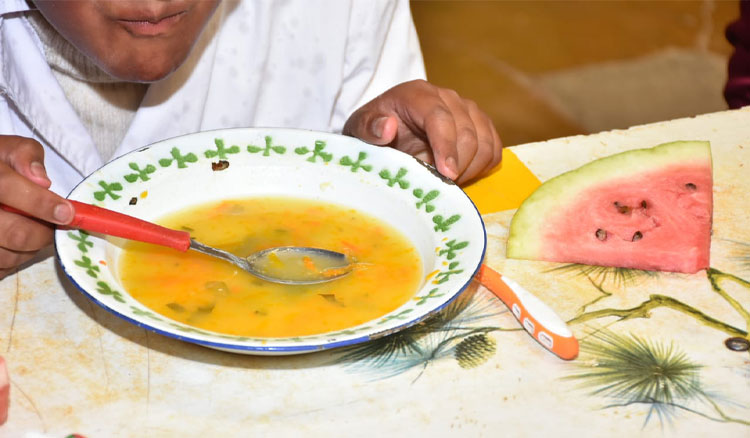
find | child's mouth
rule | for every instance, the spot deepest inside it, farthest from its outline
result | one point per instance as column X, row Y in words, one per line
column 149, row 28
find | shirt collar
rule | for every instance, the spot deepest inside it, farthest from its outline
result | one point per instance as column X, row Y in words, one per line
column 14, row 6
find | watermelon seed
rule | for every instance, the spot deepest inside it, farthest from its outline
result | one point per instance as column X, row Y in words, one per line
column 637, row 236
column 624, row 209
column 691, row 186
column 601, row 234
column 737, row 344
column 644, row 204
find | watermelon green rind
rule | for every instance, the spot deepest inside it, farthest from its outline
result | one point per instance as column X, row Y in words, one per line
column 527, row 230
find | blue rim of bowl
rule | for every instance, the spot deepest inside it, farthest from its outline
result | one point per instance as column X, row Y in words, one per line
column 293, row 349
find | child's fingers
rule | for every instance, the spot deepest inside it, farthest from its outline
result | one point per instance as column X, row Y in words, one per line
column 432, row 123
column 489, row 145
column 497, row 145
column 25, row 156
column 428, row 112
column 372, row 125
column 23, row 185
column 21, row 193
column 472, row 155
column 24, row 182
column 477, row 143
column 20, row 233
column 10, row 259
column 412, row 118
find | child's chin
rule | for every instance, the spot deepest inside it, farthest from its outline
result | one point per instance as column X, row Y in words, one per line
column 150, row 72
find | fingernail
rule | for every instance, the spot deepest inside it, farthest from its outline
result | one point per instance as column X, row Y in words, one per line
column 37, row 169
column 377, row 126
column 451, row 167
column 63, row 213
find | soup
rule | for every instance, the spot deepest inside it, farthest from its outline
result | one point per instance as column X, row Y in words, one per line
column 215, row 295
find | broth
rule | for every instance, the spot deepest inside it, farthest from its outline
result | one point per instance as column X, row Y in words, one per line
column 214, row 295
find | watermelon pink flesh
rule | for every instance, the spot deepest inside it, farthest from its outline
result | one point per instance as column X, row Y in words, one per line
column 643, row 209
column 658, row 220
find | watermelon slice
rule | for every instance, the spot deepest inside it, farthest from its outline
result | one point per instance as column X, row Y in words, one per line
column 644, row 209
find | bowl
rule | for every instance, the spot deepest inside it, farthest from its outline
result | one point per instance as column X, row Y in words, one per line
column 149, row 183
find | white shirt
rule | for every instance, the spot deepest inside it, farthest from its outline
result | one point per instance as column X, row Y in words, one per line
column 265, row 63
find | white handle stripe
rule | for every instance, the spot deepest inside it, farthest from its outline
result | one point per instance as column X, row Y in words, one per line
column 538, row 310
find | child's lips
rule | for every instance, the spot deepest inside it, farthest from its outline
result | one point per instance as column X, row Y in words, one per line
column 150, row 27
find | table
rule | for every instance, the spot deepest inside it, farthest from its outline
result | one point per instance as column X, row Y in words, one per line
column 653, row 361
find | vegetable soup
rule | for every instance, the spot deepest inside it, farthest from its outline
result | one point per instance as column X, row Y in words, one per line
column 215, row 295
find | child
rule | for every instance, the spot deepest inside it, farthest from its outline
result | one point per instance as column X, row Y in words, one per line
column 86, row 80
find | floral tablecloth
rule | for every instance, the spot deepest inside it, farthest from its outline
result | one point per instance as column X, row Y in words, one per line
column 661, row 354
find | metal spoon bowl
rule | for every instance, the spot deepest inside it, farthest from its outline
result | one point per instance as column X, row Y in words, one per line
column 286, row 264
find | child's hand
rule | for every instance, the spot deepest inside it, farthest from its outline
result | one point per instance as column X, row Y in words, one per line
column 433, row 124
column 23, row 185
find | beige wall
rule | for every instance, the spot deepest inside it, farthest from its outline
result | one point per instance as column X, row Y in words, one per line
column 545, row 69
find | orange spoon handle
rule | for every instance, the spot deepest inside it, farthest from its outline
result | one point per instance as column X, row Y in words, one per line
column 539, row 320
column 101, row 220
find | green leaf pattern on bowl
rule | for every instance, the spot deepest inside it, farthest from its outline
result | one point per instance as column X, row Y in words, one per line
column 357, row 164
column 108, row 190
column 178, row 158
column 266, row 151
column 315, row 153
column 221, row 151
column 141, row 174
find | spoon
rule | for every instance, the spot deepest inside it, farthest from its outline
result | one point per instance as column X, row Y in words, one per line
column 286, row 265
column 536, row 317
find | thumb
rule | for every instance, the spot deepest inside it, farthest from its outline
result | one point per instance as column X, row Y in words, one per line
column 372, row 127
column 25, row 156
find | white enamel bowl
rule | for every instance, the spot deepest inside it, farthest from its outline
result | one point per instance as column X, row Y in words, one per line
column 169, row 176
